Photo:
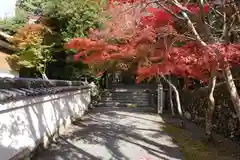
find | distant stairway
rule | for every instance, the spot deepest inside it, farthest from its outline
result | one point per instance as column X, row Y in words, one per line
column 139, row 96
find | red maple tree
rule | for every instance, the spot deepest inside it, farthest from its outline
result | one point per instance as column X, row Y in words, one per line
column 151, row 43
column 163, row 40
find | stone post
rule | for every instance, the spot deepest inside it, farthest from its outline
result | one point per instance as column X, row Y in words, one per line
column 160, row 98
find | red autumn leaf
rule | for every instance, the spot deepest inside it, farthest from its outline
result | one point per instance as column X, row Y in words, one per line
column 152, row 55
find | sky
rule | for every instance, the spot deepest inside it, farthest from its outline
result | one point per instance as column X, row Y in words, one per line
column 7, row 8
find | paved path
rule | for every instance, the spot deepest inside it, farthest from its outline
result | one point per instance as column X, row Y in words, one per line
column 114, row 134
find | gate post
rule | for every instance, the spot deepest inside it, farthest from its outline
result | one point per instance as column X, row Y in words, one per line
column 160, row 98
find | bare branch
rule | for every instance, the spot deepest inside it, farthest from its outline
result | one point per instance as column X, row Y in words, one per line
column 187, row 2
column 193, row 29
column 189, row 22
column 180, row 6
column 201, row 11
column 169, row 11
column 235, row 8
column 224, row 31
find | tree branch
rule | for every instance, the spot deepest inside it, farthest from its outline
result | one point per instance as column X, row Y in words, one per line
column 193, row 29
column 169, row 11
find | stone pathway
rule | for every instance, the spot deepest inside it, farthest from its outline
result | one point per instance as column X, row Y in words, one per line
column 114, row 134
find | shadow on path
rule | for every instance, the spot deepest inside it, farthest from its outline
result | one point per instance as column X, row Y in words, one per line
column 114, row 134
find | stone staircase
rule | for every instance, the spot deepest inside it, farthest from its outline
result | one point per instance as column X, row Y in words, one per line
column 138, row 96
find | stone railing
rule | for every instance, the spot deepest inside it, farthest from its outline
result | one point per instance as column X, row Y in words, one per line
column 32, row 111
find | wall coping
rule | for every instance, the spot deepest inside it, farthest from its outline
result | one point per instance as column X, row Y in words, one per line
column 28, row 101
column 14, row 89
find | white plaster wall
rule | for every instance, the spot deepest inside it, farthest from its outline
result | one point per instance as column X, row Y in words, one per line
column 9, row 75
column 23, row 123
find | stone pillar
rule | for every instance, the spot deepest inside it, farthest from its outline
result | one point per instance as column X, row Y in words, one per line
column 160, row 98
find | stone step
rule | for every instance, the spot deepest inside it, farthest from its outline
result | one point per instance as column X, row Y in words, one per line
column 126, row 95
column 124, row 99
column 138, row 86
column 123, row 90
column 135, row 102
column 123, row 94
column 113, row 104
column 127, row 98
column 135, row 92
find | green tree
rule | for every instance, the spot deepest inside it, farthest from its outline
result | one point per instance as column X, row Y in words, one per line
column 33, row 53
column 31, row 6
column 68, row 19
column 12, row 24
column 24, row 8
column 72, row 18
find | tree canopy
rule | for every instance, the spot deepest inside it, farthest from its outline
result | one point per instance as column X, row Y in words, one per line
column 156, row 43
column 161, row 38
column 65, row 19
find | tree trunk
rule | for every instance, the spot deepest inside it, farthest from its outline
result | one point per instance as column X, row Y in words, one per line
column 233, row 90
column 177, row 100
column 177, row 95
column 44, row 76
column 211, row 106
column 43, row 73
column 170, row 97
